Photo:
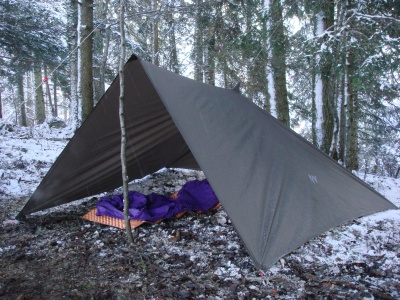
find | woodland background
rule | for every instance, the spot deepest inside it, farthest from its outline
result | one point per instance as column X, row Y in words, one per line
column 328, row 69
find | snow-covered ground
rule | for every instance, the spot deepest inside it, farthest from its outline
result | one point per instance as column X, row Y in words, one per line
column 26, row 154
column 370, row 244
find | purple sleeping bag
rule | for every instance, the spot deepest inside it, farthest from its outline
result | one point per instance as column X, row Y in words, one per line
column 195, row 195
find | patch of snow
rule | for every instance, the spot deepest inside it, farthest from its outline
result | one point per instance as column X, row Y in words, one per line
column 228, row 271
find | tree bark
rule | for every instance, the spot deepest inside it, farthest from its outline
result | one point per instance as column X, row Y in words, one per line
column 323, row 82
column 210, row 49
column 48, row 92
column 29, row 100
column 125, row 178
column 174, row 65
column 104, row 60
column 73, row 63
column 352, row 110
column 21, row 100
column 55, row 95
column 327, row 82
column 278, row 60
column 156, row 56
column 271, row 94
column 314, row 127
column 198, row 45
column 1, row 106
column 209, row 63
column 352, row 105
column 86, row 57
column 40, row 113
column 342, row 121
column 397, row 173
column 105, row 55
column 343, row 84
column 100, row 50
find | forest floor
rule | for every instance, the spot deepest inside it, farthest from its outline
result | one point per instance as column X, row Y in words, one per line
column 56, row 254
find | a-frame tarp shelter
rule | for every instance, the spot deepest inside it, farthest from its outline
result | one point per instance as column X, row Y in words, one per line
column 278, row 189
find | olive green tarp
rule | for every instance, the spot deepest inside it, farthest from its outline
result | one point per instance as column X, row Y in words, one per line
column 278, row 190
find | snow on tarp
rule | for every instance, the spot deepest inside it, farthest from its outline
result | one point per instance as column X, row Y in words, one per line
column 195, row 195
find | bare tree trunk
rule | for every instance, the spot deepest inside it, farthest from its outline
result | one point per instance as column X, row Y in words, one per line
column 125, row 178
column 87, row 57
column 342, row 121
column 100, row 49
column 327, row 83
column 29, row 102
column 104, row 59
column 15, row 102
column 1, row 106
column 156, row 56
column 40, row 113
column 279, row 61
column 314, row 79
column 48, row 91
column 336, row 115
column 343, row 84
column 397, row 173
column 174, row 65
column 73, row 63
column 21, row 101
column 55, row 94
column 323, row 85
column 352, row 109
column 337, row 94
column 209, row 60
column 271, row 93
column 352, row 104
column 198, row 45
